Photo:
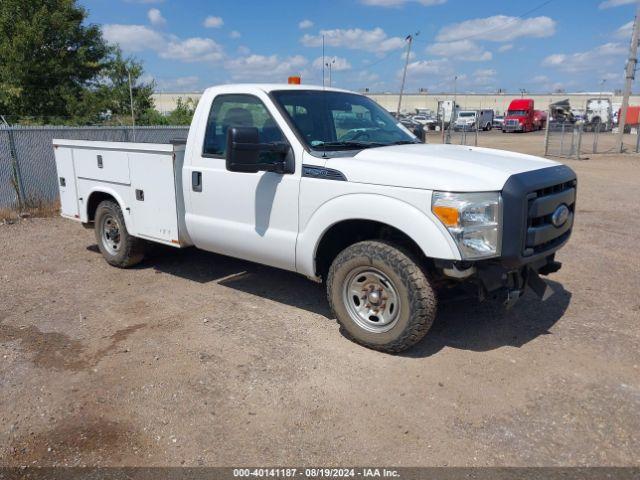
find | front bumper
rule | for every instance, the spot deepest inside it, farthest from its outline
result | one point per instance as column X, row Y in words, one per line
column 494, row 279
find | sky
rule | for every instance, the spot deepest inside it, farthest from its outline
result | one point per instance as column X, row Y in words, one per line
column 470, row 45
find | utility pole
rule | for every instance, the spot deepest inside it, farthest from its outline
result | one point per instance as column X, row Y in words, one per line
column 322, row 61
column 602, row 82
column 454, row 110
column 409, row 40
column 133, row 117
column 630, row 75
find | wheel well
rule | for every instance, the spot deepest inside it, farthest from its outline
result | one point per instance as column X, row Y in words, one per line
column 94, row 200
column 346, row 233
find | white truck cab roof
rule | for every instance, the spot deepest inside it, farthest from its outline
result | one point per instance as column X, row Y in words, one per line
column 269, row 87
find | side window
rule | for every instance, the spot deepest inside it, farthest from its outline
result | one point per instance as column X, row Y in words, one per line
column 237, row 111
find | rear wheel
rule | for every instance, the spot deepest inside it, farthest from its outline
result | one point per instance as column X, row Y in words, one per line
column 116, row 245
column 381, row 298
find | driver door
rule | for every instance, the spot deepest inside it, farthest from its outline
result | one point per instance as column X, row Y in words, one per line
column 253, row 216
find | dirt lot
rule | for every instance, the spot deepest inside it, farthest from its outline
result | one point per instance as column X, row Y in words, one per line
column 198, row 359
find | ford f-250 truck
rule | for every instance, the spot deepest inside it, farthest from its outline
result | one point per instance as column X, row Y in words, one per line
column 268, row 175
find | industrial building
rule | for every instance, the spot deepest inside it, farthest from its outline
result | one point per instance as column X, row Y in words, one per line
column 165, row 102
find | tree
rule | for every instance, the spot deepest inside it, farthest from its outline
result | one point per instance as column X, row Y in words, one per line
column 49, row 59
column 112, row 93
column 183, row 113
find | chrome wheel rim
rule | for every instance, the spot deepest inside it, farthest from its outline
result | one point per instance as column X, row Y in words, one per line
column 111, row 238
column 371, row 299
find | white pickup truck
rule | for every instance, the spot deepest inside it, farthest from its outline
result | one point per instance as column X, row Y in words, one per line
column 268, row 174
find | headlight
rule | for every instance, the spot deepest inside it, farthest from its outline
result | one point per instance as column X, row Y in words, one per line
column 473, row 220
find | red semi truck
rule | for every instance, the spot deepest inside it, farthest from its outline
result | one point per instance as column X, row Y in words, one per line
column 522, row 117
column 633, row 118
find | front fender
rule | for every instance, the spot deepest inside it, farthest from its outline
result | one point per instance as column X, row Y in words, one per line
column 424, row 230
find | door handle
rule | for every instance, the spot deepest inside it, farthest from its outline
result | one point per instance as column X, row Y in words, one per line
column 196, row 181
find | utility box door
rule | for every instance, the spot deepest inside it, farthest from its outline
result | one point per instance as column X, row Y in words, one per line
column 102, row 164
column 153, row 197
column 67, row 182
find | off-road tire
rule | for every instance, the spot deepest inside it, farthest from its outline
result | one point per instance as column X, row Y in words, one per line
column 131, row 250
column 418, row 304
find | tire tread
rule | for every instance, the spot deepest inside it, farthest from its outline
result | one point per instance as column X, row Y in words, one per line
column 423, row 302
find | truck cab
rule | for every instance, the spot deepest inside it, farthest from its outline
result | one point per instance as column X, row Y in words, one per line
column 466, row 120
column 326, row 183
column 520, row 116
column 599, row 114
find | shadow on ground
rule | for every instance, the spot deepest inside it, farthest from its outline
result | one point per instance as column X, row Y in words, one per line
column 462, row 323
column 467, row 324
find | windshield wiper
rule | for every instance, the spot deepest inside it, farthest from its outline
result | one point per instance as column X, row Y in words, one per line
column 349, row 144
column 404, row 142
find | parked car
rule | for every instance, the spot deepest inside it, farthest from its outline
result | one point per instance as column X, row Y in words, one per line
column 267, row 176
column 498, row 121
column 426, row 117
column 424, row 120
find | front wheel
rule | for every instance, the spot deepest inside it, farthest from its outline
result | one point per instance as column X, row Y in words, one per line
column 117, row 246
column 381, row 298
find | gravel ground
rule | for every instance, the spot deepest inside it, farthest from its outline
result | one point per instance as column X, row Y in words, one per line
column 198, row 359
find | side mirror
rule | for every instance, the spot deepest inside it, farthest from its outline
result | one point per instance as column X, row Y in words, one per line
column 244, row 148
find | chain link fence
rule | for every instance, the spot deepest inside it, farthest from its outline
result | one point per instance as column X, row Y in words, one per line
column 463, row 136
column 577, row 140
column 27, row 163
column 563, row 139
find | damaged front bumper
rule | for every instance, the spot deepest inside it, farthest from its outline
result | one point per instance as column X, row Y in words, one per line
column 496, row 280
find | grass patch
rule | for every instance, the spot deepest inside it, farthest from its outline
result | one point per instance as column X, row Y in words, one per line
column 39, row 209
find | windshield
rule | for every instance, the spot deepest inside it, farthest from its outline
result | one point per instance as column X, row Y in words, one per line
column 518, row 113
column 340, row 120
column 467, row 114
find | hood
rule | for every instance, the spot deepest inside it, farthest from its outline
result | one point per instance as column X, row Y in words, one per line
column 436, row 167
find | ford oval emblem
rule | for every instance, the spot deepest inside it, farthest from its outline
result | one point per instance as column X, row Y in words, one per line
column 560, row 215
